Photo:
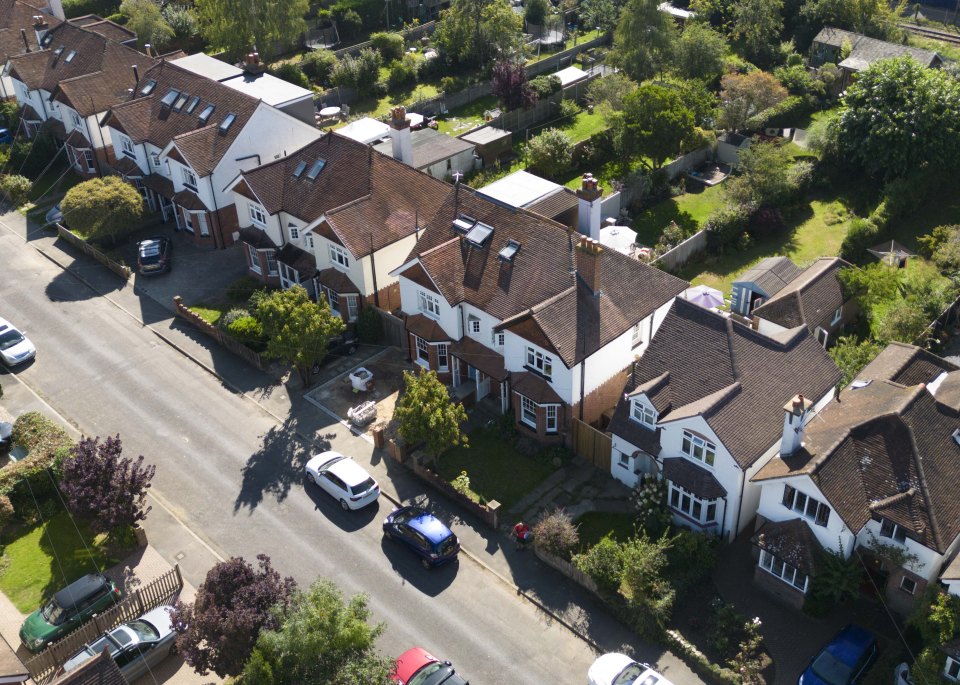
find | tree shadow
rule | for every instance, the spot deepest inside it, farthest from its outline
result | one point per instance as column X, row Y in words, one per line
column 83, row 279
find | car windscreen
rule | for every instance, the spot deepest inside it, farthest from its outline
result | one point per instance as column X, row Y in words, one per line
column 150, row 254
column 831, row 670
column 52, row 613
column 428, row 675
column 9, row 338
column 143, row 630
column 404, row 516
column 363, row 487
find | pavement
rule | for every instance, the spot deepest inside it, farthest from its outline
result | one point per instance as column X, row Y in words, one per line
column 148, row 301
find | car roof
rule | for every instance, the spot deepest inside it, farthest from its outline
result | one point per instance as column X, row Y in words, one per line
column 151, row 246
column 609, row 666
column 349, row 471
column 412, row 661
column 850, row 643
column 4, row 324
column 430, row 526
column 79, row 590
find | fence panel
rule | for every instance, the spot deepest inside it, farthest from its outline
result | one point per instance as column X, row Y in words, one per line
column 592, row 444
column 682, row 253
column 116, row 267
column 394, row 330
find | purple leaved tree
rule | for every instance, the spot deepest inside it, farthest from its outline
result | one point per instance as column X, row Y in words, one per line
column 509, row 83
column 103, row 488
column 218, row 631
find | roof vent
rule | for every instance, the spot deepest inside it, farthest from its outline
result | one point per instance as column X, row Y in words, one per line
column 70, row 56
column 316, row 169
column 479, row 234
column 956, row 435
column 510, row 251
column 463, row 224
column 206, row 113
column 47, row 39
column 192, row 105
column 227, row 122
column 170, row 97
column 301, row 165
column 58, row 51
column 181, row 101
column 148, row 87
column 856, row 385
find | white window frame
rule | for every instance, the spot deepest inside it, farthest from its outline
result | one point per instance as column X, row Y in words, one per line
column 499, row 339
column 199, row 219
column 333, row 299
column 951, row 669
column 310, row 240
column 698, row 448
column 782, row 570
column 254, row 259
column 540, row 362
column 894, row 532
column 257, row 214
column 837, row 315
column 636, row 334
column 551, row 414
column 428, row 304
column 528, row 405
column 809, row 507
column 189, row 178
column 353, row 306
column 156, row 159
column 423, row 351
column 75, row 119
column 443, row 357
column 272, row 269
column 474, row 325
column 703, row 511
column 126, row 145
column 339, row 258
column 624, row 460
column 294, row 233
column 643, row 414
column 289, row 276
column 911, row 581
column 89, row 160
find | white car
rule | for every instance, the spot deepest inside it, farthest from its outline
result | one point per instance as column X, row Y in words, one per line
column 343, row 479
column 619, row 669
column 15, row 347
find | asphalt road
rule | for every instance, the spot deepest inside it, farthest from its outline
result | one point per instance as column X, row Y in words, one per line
column 232, row 473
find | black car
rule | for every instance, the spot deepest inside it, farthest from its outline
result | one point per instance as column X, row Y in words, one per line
column 153, row 255
column 340, row 345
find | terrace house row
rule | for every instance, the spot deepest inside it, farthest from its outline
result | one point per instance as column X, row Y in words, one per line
column 182, row 139
column 18, row 35
column 507, row 304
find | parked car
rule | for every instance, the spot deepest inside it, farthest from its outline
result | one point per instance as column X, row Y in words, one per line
column 343, row 479
column 340, row 345
column 418, row 667
column 55, row 215
column 619, row 669
column 844, row 660
column 424, row 533
column 15, row 347
column 154, row 255
column 68, row 609
column 136, row 647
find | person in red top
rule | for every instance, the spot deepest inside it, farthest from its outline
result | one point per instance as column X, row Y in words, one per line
column 521, row 532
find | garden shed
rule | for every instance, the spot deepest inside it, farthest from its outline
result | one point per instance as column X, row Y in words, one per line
column 492, row 143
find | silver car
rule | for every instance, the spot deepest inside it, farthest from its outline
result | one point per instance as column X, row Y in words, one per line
column 15, row 347
column 137, row 646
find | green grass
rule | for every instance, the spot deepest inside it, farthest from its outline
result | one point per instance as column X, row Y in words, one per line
column 46, row 557
column 208, row 312
column 496, row 470
column 594, row 525
column 942, row 48
column 689, row 211
column 584, row 125
column 462, row 119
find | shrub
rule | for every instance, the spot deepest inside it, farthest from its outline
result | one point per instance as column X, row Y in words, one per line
column 726, row 223
column 861, row 235
column 15, row 188
column 318, row 66
column 785, row 113
column 462, row 484
column 448, row 84
column 242, row 288
column 545, row 86
column 650, row 501
column 691, row 558
column 232, row 315
column 604, row 564
column 389, row 45
column 291, row 73
column 369, row 326
column 6, row 512
column 118, row 18
column 360, row 72
column 569, row 109
column 246, row 329
column 404, row 72
column 9, row 114
column 27, row 482
column 182, row 20
column 795, row 78
column 726, row 628
column 103, row 8
column 30, row 157
column 556, row 534
column 549, row 153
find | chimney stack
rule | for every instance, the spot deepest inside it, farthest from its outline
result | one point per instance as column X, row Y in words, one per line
column 400, row 135
column 40, row 27
column 588, row 215
column 588, row 263
column 795, row 413
column 252, row 64
column 136, row 74
column 26, row 43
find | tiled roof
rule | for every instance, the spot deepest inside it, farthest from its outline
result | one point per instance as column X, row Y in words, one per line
column 105, row 27
column 808, row 300
column 302, row 261
column 869, row 50
column 145, row 118
column 479, row 356
column 337, row 281
column 534, row 388
column 190, row 200
column 127, row 167
column 256, row 237
column 540, row 283
column 791, row 541
column 906, row 364
column 694, row 478
column 77, row 140
column 771, row 274
column 735, row 377
column 884, row 450
column 160, row 184
column 429, row 147
column 102, row 64
column 16, row 15
column 556, row 204
column 101, row 670
column 426, row 328
column 369, row 200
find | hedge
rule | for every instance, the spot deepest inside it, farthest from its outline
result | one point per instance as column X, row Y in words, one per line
column 102, row 8
column 787, row 113
column 26, row 482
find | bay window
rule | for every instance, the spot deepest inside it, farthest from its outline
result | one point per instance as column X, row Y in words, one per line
column 423, row 352
column 703, row 511
column 528, row 412
column 784, row 571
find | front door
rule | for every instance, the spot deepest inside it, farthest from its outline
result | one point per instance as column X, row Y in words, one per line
column 483, row 385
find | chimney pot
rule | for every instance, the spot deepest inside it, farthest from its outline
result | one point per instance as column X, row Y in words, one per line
column 588, row 263
column 147, row 49
column 588, row 209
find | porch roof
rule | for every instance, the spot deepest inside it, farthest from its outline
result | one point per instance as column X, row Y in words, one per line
column 301, row 261
column 534, row 388
column 480, row 357
column 337, row 281
column 254, row 236
column 426, row 328
column 128, row 168
column 190, row 200
column 77, row 140
column 691, row 477
column 791, row 541
column 159, row 184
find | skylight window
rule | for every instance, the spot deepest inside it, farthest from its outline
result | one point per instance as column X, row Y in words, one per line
column 316, row 168
column 206, row 113
column 70, row 56
column 510, row 251
column 170, row 97
column 227, row 122
column 148, row 87
column 180, row 102
column 301, row 165
column 463, row 225
column 192, row 105
column 479, row 234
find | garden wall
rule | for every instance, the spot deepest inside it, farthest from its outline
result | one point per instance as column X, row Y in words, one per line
column 544, row 112
column 225, row 340
column 610, row 205
column 487, row 514
column 567, row 569
column 687, row 162
column 116, row 267
column 682, row 253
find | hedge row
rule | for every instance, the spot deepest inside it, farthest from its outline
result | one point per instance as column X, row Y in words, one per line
column 27, row 483
column 78, row 8
column 787, row 113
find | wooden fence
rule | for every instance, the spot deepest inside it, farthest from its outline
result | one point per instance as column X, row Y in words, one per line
column 232, row 344
column 410, row 34
column 394, row 330
column 122, row 270
column 156, row 593
column 591, row 444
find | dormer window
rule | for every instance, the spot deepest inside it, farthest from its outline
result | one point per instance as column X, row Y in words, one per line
column 891, row 531
column 189, row 178
column 257, row 215
column 339, row 257
column 539, row 362
column 127, row 146
column 643, row 414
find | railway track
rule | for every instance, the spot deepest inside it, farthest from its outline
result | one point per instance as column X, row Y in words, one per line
column 926, row 32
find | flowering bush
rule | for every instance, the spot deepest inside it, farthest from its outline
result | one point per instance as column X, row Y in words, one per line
column 556, row 534
column 650, row 502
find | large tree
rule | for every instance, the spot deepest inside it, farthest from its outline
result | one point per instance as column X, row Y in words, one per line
column 103, row 488
column 146, row 20
column 644, row 39
column 899, row 117
column 874, row 18
column 744, row 95
column 699, row 52
column 757, row 25
column 102, row 208
column 218, row 630
column 510, row 86
column 549, row 153
column 426, row 413
column 479, row 31
column 297, row 329
column 321, row 639
column 763, row 178
column 653, row 126
column 238, row 25
column 602, row 14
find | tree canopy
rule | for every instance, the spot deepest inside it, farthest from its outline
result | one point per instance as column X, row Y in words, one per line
column 510, row 85
column 898, row 117
column 425, row 413
column 478, row 31
column 102, row 208
column 644, row 39
column 744, row 95
column 320, row 639
column 549, row 152
column 698, row 54
column 874, row 18
column 653, row 126
column 757, row 25
column 238, row 25
column 147, row 21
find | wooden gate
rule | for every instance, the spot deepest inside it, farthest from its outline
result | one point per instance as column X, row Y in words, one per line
column 592, row 444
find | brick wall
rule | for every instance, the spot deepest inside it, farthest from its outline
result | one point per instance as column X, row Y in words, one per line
column 601, row 399
column 389, row 297
column 776, row 587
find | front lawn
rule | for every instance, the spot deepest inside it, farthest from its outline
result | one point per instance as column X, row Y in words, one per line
column 45, row 558
column 496, row 470
column 594, row 525
column 209, row 312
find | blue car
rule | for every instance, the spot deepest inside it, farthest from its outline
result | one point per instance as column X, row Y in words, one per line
column 5, row 136
column 424, row 533
column 844, row 660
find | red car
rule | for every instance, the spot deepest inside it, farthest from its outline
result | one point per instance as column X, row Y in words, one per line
column 418, row 667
